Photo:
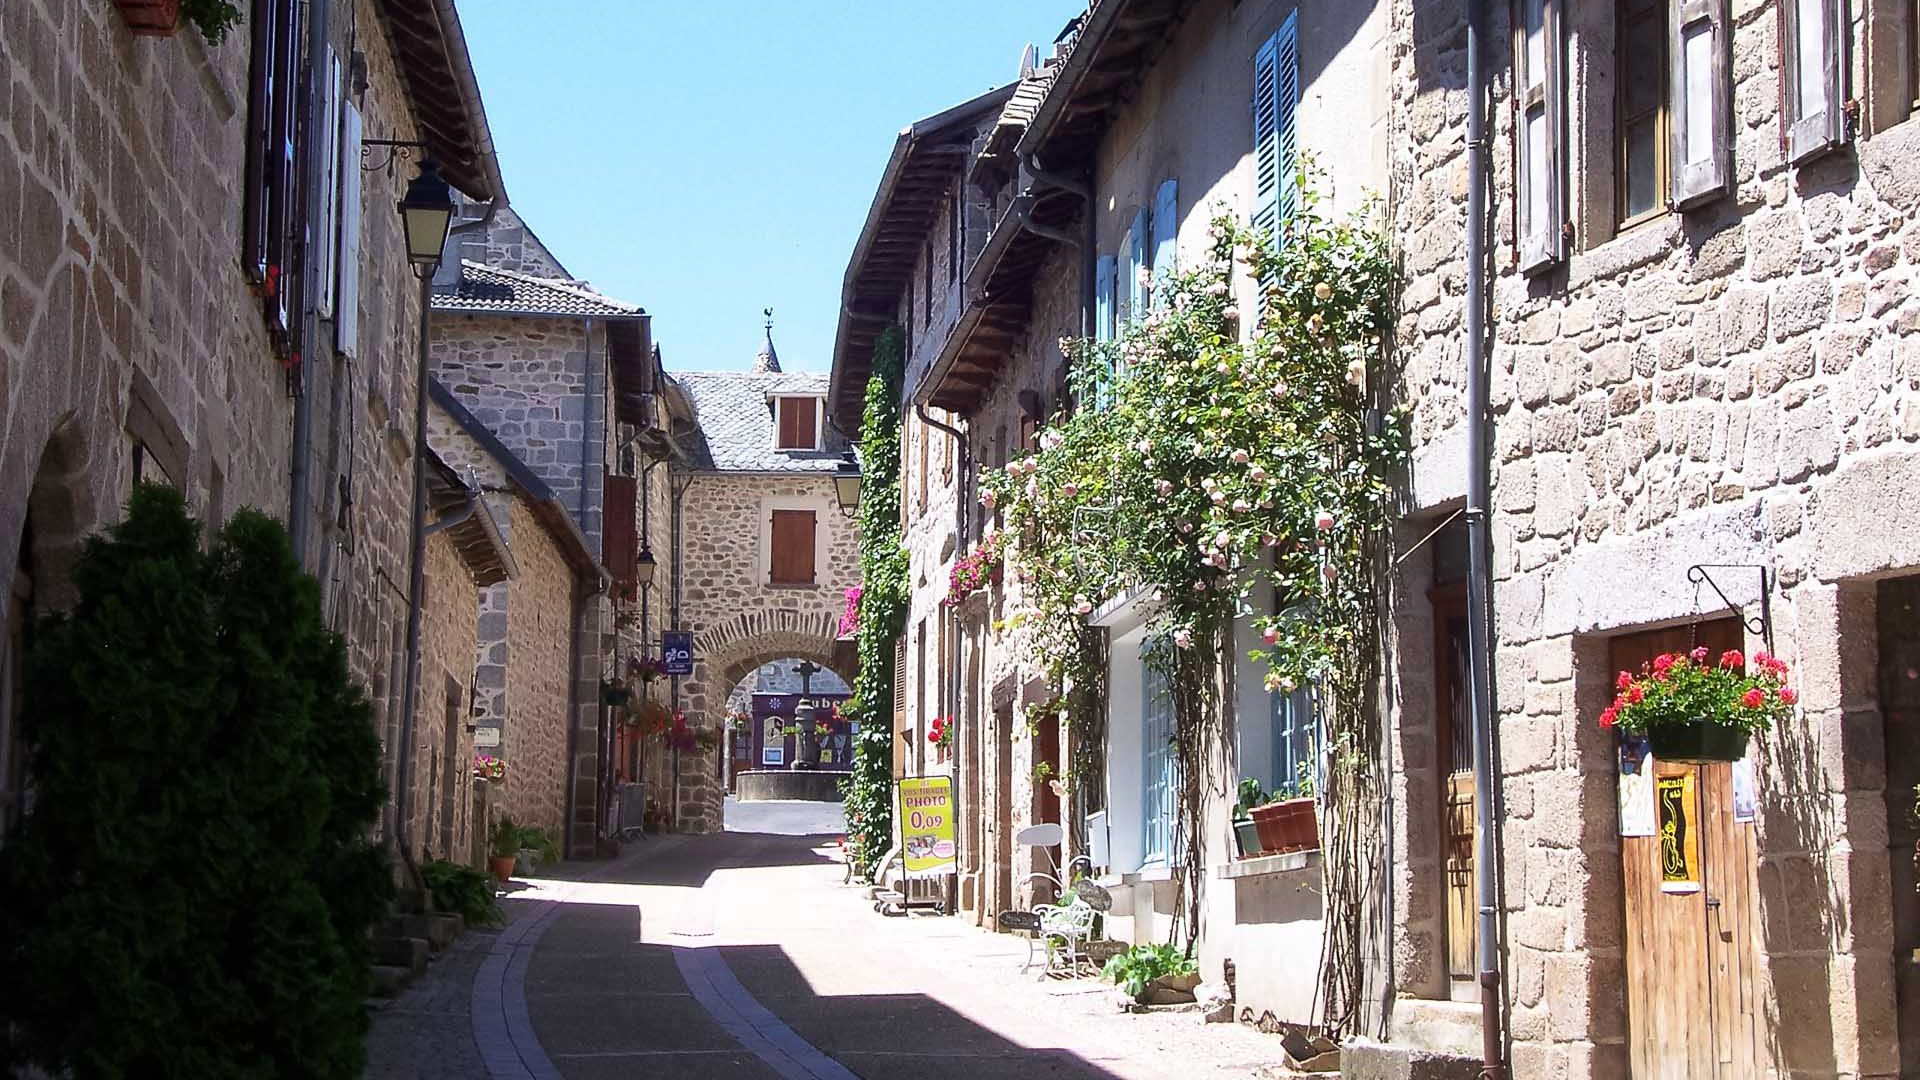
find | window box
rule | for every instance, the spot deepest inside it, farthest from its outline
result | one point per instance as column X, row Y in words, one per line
column 157, row 18
column 1289, row 825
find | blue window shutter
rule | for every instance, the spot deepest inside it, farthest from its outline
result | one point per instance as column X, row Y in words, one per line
column 1276, row 93
column 1166, row 231
column 1103, row 298
column 1136, row 259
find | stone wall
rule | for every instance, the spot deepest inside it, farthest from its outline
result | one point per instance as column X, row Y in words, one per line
column 738, row 620
column 540, row 386
column 539, row 614
column 120, row 167
column 440, row 804
column 1734, row 384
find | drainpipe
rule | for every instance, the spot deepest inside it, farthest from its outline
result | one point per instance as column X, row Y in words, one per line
column 952, row 661
column 416, row 584
column 1479, row 645
column 299, row 513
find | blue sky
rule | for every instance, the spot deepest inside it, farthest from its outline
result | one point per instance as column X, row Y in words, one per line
column 709, row 158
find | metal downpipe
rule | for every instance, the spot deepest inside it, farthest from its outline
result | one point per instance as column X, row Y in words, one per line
column 416, row 587
column 1479, row 643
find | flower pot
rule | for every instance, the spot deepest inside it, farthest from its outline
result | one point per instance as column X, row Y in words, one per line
column 501, row 866
column 1247, row 835
column 1267, row 825
column 1698, row 742
column 152, row 17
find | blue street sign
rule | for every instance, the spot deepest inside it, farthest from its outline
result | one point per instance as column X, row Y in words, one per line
column 676, row 647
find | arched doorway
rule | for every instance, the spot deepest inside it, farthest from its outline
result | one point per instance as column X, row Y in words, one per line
column 724, row 656
column 763, row 708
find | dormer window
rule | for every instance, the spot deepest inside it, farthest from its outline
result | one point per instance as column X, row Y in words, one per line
column 797, row 423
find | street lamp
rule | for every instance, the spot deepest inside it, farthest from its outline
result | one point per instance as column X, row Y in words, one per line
column 426, row 214
column 846, row 484
column 644, row 566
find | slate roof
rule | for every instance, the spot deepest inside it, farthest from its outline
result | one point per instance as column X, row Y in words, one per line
column 506, row 292
column 735, row 422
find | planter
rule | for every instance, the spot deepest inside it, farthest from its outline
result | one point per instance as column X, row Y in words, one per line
column 1291, row 825
column 151, row 17
column 1247, row 835
column 1699, row 742
column 501, row 866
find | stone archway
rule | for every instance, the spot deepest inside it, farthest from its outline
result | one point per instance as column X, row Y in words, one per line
column 724, row 654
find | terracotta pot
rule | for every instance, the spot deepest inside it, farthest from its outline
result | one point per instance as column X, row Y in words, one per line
column 501, row 866
column 1698, row 742
column 1267, row 824
column 152, row 17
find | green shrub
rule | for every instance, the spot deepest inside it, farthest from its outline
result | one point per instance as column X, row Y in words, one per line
column 540, row 842
column 503, row 841
column 462, row 890
column 1142, row 964
column 191, row 891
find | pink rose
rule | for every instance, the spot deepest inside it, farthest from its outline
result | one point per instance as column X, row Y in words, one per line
column 1323, row 520
column 1270, row 635
column 1241, row 457
column 1163, row 488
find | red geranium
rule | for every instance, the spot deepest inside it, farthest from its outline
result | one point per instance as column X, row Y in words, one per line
column 1681, row 688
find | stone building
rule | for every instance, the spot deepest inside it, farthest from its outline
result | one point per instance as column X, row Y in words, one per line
column 520, row 679
column 763, row 553
column 1704, row 350
column 1096, row 168
column 169, row 312
column 559, row 379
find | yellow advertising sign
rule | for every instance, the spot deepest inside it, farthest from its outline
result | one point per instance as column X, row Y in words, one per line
column 1678, row 803
column 926, row 826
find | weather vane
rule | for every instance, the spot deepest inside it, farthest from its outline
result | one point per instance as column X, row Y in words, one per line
column 769, row 312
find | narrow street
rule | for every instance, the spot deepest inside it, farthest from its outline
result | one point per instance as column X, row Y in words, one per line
column 742, row 954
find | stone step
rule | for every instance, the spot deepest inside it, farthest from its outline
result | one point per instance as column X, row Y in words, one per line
column 410, row 901
column 388, row 980
column 437, row 930
column 405, row 952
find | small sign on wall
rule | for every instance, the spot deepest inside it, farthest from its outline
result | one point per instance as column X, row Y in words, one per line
column 1678, row 804
column 486, row 737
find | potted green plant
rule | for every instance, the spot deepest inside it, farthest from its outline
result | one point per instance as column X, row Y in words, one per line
column 1245, row 833
column 160, row 18
column 503, row 848
column 536, row 849
column 1693, row 710
column 1154, row 974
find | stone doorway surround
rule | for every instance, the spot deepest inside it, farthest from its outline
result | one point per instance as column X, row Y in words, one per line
column 724, row 654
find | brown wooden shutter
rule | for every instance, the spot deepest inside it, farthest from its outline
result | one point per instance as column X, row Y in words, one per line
column 1699, row 92
column 792, row 543
column 899, row 681
column 1815, row 54
column 1539, row 129
column 620, row 548
column 797, row 423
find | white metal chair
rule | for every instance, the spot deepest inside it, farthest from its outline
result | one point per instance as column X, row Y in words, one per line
column 1071, row 924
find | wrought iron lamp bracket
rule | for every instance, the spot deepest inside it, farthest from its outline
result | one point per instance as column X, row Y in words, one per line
column 1762, row 623
column 398, row 150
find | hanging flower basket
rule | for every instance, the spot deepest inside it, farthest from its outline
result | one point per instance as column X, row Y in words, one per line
column 650, row 717
column 155, row 18
column 1692, row 710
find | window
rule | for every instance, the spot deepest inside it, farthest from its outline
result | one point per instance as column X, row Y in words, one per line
column 1159, row 778
column 269, row 211
column 1135, row 250
column 921, row 434
column 1276, row 98
column 1640, row 113
column 926, row 286
column 1296, row 736
column 792, row 547
column 346, row 324
column 798, row 423
column 1541, row 181
column 1815, row 66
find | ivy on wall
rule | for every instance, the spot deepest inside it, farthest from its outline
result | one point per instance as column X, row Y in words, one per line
column 883, row 610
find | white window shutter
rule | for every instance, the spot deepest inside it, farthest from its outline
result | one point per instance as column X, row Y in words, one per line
column 1540, row 191
column 1816, row 66
column 1166, row 232
column 328, row 135
column 1699, row 101
column 346, row 326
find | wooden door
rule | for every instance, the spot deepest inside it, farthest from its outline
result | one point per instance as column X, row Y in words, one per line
column 1002, row 824
column 1455, row 747
column 1691, row 910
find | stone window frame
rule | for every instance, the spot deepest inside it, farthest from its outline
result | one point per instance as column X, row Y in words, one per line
column 1888, row 64
column 824, row 510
